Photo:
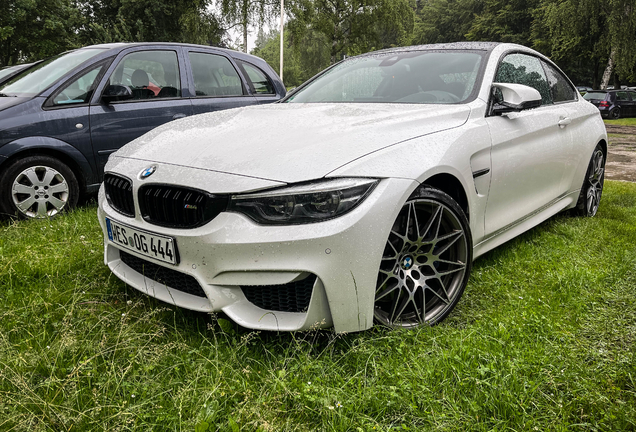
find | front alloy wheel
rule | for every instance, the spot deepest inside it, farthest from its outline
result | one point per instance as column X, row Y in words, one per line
column 38, row 187
column 426, row 262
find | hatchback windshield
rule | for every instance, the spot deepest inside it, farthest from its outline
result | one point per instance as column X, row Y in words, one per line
column 429, row 77
column 36, row 79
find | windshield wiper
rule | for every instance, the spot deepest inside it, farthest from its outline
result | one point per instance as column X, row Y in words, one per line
column 6, row 95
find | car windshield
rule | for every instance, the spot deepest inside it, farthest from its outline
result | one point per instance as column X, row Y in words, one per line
column 415, row 77
column 594, row 95
column 7, row 71
column 38, row 78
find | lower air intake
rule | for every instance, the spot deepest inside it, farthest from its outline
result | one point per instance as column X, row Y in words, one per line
column 165, row 276
column 290, row 297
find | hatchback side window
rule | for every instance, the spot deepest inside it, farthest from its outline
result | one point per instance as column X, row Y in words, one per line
column 258, row 79
column 622, row 96
column 149, row 74
column 214, row 75
column 560, row 88
column 79, row 90
column 526, row 70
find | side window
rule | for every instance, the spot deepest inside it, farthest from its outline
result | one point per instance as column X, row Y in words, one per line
column 149, row 74
column 526, row 70
column 214, row 75
column 560, row 88
column 622, row 96
column 258, row 79
column 79, row 90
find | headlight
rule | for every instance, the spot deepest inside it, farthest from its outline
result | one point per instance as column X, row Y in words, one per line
column 306, row 203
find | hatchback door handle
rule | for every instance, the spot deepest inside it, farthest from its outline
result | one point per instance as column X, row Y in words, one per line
column 178, row 116
column 565, row 121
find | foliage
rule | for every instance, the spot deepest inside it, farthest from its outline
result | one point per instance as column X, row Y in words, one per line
column 543, row 339
column 303, row 59
column 35, row 29
column 353, row 27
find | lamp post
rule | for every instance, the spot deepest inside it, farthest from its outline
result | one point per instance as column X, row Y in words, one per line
column 282, row 14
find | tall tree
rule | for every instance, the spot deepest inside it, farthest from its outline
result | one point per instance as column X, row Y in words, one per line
column 246, row 13
column 600, row 31
column 441, row 21
column 34, row 29
column 354, row 26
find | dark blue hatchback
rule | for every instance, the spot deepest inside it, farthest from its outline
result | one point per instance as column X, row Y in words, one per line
column 62, row 118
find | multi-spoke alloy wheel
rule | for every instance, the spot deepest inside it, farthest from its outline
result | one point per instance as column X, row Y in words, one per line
column 426, row 262
column 38, row 187
column 592, row 189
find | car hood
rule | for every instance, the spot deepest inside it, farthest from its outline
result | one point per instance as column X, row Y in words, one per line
column 7, row 102
column 289, row 142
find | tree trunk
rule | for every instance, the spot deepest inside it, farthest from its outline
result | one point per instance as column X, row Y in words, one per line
column 245, row 23
column 608, row 70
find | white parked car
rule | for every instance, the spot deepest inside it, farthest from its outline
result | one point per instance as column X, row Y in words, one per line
column 364, row 196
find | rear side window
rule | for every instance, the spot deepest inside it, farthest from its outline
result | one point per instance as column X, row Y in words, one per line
column 214, row 75
column 149, row 74
column 622, row 96
column 527, row 70
column 259, row 81
column 560, row 88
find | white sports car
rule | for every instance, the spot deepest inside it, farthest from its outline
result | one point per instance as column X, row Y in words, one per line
column 364, row 196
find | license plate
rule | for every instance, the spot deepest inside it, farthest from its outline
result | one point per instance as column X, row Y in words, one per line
column 154, row 246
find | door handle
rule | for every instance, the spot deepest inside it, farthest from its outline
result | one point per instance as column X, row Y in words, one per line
column 564, row 122
column 178, row 116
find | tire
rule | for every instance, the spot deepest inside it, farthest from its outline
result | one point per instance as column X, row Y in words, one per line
column 615, row 114
column 37, row 187
column 426, row 262
column 592, row 189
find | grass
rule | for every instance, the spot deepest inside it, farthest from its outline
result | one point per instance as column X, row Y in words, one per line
column 543, row 339
column 622, row 122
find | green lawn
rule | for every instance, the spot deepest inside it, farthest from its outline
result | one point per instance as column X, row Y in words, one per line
column 543, row 339
column 622, row 122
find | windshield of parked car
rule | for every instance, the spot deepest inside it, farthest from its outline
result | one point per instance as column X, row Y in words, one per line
column 416, row 77
column 594, row 95
column 38, row 78
column 6, row 71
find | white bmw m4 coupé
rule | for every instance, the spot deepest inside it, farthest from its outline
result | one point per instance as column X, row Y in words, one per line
column 364, row 196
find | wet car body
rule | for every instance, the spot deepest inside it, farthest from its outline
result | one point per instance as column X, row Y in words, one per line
column 365, row 195
column 68, row 127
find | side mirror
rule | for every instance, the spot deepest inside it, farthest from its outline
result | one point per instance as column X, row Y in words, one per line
column 515, row 98
column 115, row 92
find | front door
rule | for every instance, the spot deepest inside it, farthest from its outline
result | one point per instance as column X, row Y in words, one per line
column 528, row 156
column 156, row 81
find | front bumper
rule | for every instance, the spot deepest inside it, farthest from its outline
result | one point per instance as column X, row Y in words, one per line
column 231, row 252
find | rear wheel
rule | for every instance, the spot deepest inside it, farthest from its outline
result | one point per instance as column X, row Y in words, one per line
column 615, row 114
column 592, row 189
column 426, row 262
column 38, row 187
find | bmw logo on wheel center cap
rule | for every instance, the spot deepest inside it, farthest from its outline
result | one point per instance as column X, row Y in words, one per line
column 407, row 262
column 148, row 172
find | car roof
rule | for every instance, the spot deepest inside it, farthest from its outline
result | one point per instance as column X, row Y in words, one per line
column 480, row 46
column 122, row 45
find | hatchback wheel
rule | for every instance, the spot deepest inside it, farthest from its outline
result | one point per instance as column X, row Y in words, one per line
column 615, row 114
column 38, row 187
column 426, row 262
column 590, row 196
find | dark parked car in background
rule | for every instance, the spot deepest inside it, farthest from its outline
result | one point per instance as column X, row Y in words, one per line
column 62, row 118
column 613, row 104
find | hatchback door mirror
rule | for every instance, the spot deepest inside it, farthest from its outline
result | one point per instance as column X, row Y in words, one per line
column 514, row 98
column 115, row 92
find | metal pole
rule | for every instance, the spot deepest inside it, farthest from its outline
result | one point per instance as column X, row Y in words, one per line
column 282, row 14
